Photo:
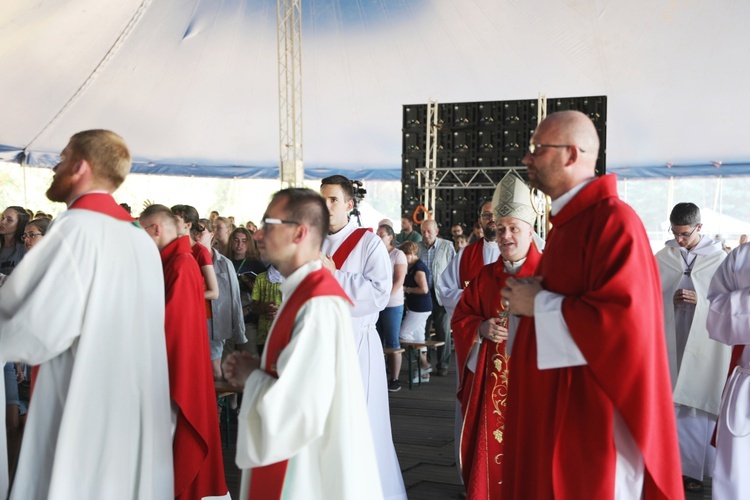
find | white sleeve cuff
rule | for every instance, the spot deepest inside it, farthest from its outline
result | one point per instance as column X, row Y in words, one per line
column 555, row 346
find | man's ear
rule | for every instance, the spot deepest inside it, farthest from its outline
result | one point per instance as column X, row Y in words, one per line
column 573, row 158
column 82, row 167
column 300, row 234
column 349, row 205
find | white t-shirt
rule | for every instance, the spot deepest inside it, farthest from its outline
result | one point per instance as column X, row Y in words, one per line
column 397, row 257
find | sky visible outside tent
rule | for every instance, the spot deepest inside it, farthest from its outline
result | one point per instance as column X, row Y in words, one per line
column 723, row 201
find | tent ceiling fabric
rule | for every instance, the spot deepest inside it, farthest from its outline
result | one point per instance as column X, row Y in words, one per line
column 192, row 85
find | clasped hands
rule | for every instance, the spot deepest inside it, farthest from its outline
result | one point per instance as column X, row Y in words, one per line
column 685, row 297
column 519, row 294
column 238, row 366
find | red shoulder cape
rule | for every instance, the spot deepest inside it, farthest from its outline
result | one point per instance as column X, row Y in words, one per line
column 472, row 261
column 102, row 203
column 559, row 439
column 198, row 463
column 483, row 393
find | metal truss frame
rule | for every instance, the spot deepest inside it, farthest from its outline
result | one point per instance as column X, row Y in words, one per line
column 289, row 37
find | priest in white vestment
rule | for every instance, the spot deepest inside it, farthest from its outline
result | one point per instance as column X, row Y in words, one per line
column 87, row 306
column 367, row 277
column 308, row 410
column 698, row 365
column 729, row 322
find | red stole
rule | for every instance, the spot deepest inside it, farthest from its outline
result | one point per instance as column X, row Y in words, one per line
column 483, row 393
column 559, row 441
column 267, row 482
column 472, row 261
column 348, row 245
column 102, row 203
column 198, row 462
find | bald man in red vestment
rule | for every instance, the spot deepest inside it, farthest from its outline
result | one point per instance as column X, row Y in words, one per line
column 198, row 462
column 589, row 404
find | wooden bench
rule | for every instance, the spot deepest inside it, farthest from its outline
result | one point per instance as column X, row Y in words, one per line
column 412, row 353
column 393, row 350
column 223, row 391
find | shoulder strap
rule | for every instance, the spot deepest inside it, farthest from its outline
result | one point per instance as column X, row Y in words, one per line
column 348, row 246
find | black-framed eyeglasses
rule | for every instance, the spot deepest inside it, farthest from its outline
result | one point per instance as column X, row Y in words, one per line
column 26, row 236
column 683, row 235
column 534, row 148
column 487, row 216
column 276, row 222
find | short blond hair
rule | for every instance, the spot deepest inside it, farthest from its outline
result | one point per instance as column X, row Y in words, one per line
column 106, row 152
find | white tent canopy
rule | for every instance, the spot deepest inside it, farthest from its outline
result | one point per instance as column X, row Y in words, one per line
column 192, row 85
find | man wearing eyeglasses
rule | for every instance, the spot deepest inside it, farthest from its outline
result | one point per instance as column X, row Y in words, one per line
column 698, row 365
column 303, row 431
column 589, row 408
column 360, row 263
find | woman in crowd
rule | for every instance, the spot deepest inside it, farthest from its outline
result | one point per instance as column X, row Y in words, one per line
column 12, row 249
column 418, row 305
column 12, row 225
column 389, row 321
column 187, row 225
column 35, row 231
column 226, row 312
column 221, row 234
column 247, row 264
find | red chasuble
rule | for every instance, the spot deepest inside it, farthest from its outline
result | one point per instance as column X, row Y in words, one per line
column 267, row 483
column 559, row 440
column 483, row 393
column 472, row 261
column 198, row 463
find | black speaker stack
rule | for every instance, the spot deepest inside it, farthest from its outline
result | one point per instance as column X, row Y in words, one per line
column 472, row 135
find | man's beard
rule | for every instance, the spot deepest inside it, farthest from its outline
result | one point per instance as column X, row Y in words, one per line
column 490, row 232
column 60, row 189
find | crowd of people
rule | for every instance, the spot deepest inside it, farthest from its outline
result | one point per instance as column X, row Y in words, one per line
column 586, row 367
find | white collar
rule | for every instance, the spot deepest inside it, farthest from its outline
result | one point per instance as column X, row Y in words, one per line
column 293, row 280
column 342, row 233
column 559, row 203
column 705, row 246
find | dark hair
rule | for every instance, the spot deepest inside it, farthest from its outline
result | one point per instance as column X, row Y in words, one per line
column 23, row 219
column 42, row 224
column 340, row 180
column 409, row 248
column 189, row 215
column 207, row 225
column 388, row 229
column 307, row 207
column 685, row 214
column 252, row 250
